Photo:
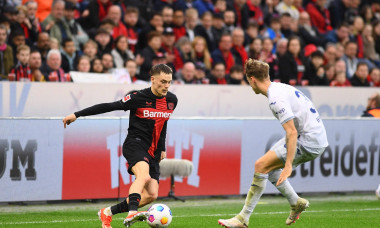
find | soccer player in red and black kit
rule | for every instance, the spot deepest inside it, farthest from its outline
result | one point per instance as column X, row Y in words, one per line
column 144, row 147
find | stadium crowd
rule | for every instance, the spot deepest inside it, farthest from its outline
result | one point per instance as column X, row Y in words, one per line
column 309, row 42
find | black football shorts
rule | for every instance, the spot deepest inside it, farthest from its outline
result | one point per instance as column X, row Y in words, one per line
column 134, row 150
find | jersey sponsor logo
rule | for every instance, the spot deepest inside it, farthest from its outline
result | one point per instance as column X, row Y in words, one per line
column 152, row 114
column 281, row 111
column 127, row 98
column 273, row 103
column 170, row 106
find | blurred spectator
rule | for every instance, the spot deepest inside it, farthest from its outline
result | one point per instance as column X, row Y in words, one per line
column 367, row 14
column 43, row 44
column 369, row 44
column 32, row 7
column 69, row 55
column 167, row 16
column 376, row 36
column 97, row 66
column 218, row 74
column 95, row 12
column 274, row 30
column 6, row 54
column 339, row 51
column 159, row 58
column 201, row 74
column 236, row 76
column 329, row 72
column 78, row 35
column 207, row 31
column 220, row 6
column 10, row 12
column 22, row 23
column 145, row 58
column 339, row 35
column 21, row 71
column 121, row 53
column 255, row 49
column 51, row 69
column 308, row 33
column 229, row 20
column 17, row 38
column 319, row 15
column 330, row 53
column 35, row 62
column 374, row 77
column 155, row 24
column 131, row 17
column 350, row 50
column 90, row 49
column 173, row 57
column 187, row 74
column 356, row 31
column 53, row 23
column 174, row 4
column 223, row 53
column 107, row 62
column 254, row 12
column 106, row 24
column 238, row 50
column 286, row 6
column 343, row 11
column 104, row 42
column 360, row 76
column 267, row 56
column 114, row 14
column 191, row 21
column 340, row 66
column 43, row 8
column 281, row 47
column 340, row 80
column 218, row 28
column 252, row 32
column 315, row 73
column 292, row 63
column 84, row 64
column 200, row 52
column 184, row 47
column 269, row 10
column 203, row 6
column 131, row 66
column 373, row 106
column 54, row 43
column 241, row 11
column 178, row 24
column 286, row 25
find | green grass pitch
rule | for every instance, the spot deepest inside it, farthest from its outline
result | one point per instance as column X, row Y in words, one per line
column 325, row 211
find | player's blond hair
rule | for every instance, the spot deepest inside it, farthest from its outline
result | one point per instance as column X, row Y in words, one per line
column 257, row 69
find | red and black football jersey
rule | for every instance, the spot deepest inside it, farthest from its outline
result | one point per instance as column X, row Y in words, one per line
column 147, row 119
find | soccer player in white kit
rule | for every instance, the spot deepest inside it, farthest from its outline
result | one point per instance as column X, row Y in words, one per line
column 305, row 140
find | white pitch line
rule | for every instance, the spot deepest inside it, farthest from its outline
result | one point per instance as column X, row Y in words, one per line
column 183, row 216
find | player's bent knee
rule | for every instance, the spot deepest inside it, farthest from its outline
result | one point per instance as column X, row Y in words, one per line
column 145, row 178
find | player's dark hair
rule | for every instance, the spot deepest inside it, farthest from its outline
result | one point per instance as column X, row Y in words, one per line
column 160, row 68
column 257, row 69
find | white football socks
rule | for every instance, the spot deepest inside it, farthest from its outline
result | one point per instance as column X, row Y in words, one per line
column 285, row 188
column 255, row 191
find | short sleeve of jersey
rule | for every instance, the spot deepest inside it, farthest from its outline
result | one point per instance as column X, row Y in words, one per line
column 129, row 101
column 281, row 110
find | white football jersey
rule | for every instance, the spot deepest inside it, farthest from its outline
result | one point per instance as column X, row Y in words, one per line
column 286, row 103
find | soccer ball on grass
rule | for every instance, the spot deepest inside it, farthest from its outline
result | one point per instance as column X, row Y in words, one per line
column 159, row 215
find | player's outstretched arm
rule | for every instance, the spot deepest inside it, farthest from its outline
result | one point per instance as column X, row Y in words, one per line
column 69, row 119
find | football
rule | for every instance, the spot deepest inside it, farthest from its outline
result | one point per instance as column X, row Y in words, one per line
column 378, row 192
column 159, row 215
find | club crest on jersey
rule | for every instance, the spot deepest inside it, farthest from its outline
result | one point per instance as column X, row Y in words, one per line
column 171, row 106
column 127, row 98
